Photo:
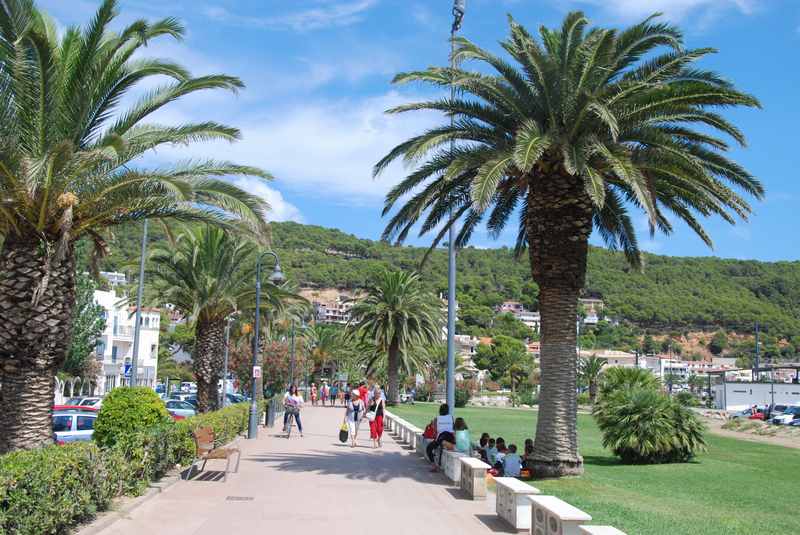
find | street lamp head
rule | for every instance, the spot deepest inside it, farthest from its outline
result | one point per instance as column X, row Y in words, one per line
column 277, row 276
column 459, row 7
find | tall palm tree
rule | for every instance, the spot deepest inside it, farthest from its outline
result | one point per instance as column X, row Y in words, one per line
column 323, row 343
column 396, row 315
column 207, row 274
column 69, row 152
column 580, row 128
column 590, row 369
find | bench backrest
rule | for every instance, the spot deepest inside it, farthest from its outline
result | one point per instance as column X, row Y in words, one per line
column 204, row 440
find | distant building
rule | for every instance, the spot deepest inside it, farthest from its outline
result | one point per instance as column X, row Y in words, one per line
column 115, row 346
column 337, row 311
column 620, row 359
column 531, row 319
column 114, row 278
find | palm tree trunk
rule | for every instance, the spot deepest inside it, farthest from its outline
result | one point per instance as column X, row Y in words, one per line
column 394, row 372
column 592, row 390
column 208, row 361
column 559, row 221
column 37, row 300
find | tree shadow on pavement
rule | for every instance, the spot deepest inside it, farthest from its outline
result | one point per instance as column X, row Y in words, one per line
column 354, row 463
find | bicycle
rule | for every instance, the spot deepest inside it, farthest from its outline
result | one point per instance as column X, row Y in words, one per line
column 291, row 411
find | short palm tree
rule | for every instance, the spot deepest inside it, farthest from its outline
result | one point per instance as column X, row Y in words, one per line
column 397, row 315
column 580, row 128
column 69, row 151
column 590, row 369
column 207, row 274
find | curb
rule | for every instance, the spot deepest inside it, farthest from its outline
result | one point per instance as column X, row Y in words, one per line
column 111, row 516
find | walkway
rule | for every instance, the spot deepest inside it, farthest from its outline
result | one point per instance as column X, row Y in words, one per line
column 314, row 485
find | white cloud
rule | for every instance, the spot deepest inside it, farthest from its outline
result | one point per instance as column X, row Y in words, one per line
column 327, row 15
column 321, row 148
column 673, row 9
column 280, row 208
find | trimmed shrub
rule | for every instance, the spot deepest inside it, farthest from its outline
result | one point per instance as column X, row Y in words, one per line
column 462, row 396
column 47, row 489
column 643, row 426
column 126, row 411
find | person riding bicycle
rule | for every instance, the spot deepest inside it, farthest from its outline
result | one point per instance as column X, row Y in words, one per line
column 292, row 404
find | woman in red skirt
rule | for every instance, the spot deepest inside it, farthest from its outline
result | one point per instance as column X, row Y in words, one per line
column 375, row 416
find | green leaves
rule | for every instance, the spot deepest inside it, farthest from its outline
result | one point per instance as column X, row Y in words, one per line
column 486, row 180
column 529, row 147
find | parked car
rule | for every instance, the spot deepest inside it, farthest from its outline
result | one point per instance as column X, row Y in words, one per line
column 235, row 398
column 73, row 425
column 74, row 408
column 788, row 416
column 91, row 402
column 74, row 401
column 180, row 408
column 750, row 414
column 192, row 400
column 777, row 410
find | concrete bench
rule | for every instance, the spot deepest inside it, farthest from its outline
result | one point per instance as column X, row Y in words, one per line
column 513, row 504
column 599, row 530
column 473, row 477
column 553, row 516
column 451, row 465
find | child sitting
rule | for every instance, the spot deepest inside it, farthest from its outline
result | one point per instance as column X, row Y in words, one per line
column 500, row 444
column 512, row 463
column 528, row 454
column 482, row 445
column 491, row 452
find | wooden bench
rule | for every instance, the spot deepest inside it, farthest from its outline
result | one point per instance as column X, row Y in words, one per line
column 599, row 530
column 513, row 505
column 553, row 516
column 207, row 450
column 473, row 477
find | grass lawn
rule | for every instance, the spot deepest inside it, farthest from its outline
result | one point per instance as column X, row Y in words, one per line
column 736, row 488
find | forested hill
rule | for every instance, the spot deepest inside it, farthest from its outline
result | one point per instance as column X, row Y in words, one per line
column 672, row 293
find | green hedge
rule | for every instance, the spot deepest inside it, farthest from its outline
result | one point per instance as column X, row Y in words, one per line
column 47, row 490
column 127, row 411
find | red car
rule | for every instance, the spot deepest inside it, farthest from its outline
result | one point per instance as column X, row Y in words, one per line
column 74, row 408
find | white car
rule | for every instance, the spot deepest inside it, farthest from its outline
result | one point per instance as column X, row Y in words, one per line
column 73, row 425
column 91, row 402
column 787, row 416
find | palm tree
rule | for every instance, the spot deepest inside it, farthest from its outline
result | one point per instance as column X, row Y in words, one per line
column 590, row 369
column 69, row 152
column 207, row 274
column 396, row 315
column 324, row 343
column 578, row 130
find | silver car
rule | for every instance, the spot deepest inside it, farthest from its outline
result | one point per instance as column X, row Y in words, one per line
column 180, row 408
column 73, row 425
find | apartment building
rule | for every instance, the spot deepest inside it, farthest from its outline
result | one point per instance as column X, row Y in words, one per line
column 114, row 278
column 531, row 319
column 337, row 311
column 115, row 346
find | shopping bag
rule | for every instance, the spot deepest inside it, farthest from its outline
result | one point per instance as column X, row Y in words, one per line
column 344, row 431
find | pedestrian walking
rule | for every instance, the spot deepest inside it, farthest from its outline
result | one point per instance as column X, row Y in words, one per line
column 292, row 406
column 353, row 415
column 375, row 416
column 313, row 394
column 334, row 393
column 323, row 391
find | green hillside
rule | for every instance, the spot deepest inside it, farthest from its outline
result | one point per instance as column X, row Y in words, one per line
column 672, row 294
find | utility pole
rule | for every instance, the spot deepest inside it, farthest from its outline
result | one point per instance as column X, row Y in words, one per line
column 756, row 374
column 459, row 7
column 138, row 318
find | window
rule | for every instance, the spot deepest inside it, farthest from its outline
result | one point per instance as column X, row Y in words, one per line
column 113, row 354
column 85, row 423
column 62, row 423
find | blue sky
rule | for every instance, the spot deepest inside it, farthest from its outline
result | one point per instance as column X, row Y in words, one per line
column 318, row 80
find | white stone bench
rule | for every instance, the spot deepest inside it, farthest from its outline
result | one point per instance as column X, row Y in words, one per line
column 553, row 516
column 599, row 530
column 473, row 477
column 513, row 504
column 451, row 465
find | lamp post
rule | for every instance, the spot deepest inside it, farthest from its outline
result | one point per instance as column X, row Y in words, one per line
column 276, row 278
column 138, row 318
column 228, row 322
column 459, row 8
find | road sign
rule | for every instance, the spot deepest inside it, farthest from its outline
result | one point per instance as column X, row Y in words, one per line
column 127, row 372
column 256, row 372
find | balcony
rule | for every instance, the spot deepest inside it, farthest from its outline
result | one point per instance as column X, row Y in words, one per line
column 122, row 331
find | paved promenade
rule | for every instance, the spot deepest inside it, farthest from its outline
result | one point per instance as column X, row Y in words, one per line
column 314, row 485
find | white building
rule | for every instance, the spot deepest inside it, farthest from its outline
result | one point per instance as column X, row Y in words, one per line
column 115, row 346
column 114, row 278
column 738, row 396
column 661, row 367
column 531, row 319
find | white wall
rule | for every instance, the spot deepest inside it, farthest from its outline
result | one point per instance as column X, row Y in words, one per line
column 737, row 396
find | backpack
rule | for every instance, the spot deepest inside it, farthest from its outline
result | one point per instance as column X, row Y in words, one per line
column 430, row 431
